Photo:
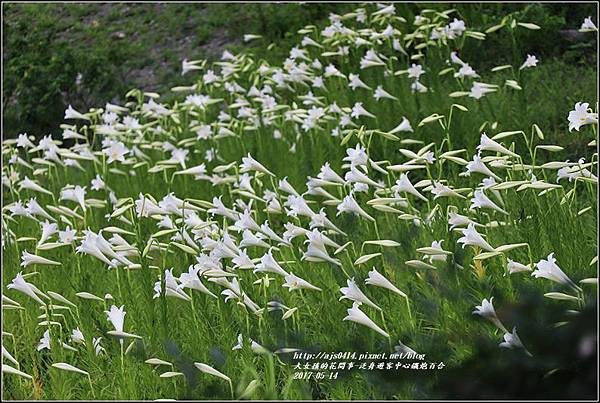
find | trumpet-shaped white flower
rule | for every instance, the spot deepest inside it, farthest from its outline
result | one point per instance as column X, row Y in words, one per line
column 116, row 316
column 48, row 229
column 29, row 258
column 115, row 152
column 71, row 113
column 250, row 164
column 250, row 239
column 356, row 156
column 381, row 93
column 480, row 200
column 172, row 288
column 548, row 269
column 477, row 165
column 19, row 284
column 531, row 61
column 349, row 205
column 24, row 142
column 487, row 144
column 415, row 71
column 355, row 82
column 34, row 208
column 516, row 267
column 458, row 220
column 316, row 252
column 486, row 310
column 358, row 110
column 356, row 176
column 329, row 175
column 44, row 343
column 474, row 238
column 512, row 341
column 404, row 126
column 98, row 183
column 245, row 221
column 77, row 336
column 581, row 116
column 192, row 280
column 379, row 280
column 27, row 183
column 480, row 89
column 298, row 206
column 75, row 194
column 352, row 292
column 588, row 25
column 293, row 282
column 268, row 264
column 403, row 185
column 441, row 190
column 358, row 316
column 187, row 66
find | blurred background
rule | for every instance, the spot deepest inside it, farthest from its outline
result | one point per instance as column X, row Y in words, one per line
column 87, row 54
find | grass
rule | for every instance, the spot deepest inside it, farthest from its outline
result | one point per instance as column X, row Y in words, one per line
column 438, row 319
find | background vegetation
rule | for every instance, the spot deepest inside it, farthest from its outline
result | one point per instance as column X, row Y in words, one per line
column 116, row 47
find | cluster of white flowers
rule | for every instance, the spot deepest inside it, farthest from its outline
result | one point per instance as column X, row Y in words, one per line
column 241, row 236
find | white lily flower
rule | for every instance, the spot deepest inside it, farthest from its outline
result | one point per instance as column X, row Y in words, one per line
column 487, row 144
column 358, row 316
column 29, row 258
column 549, row 269
column 19, row 284
column 250, row 164
column 403, row 185
column 516, row 267
column 349, row 205
column 474, row 238
column 581, row 116
column 486, row 310
column 293, row 282
column 352, row 292
column 377, row 279
column 480, row 200
column 268, row 264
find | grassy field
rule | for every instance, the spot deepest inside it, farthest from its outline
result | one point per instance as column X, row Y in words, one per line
column 199, row 177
